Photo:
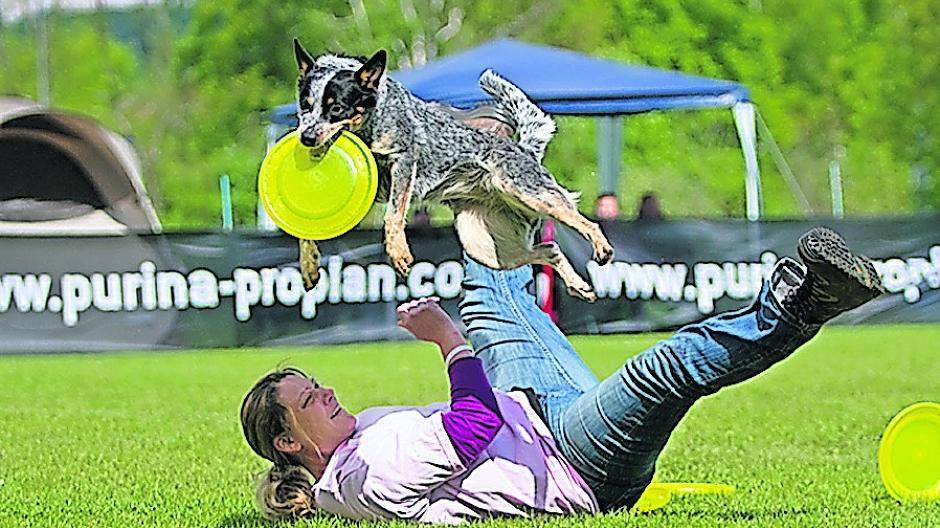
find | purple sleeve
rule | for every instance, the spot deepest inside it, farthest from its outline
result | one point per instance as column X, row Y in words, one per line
column 474, row 418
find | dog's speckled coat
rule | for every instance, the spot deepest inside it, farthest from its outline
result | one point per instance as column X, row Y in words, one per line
column 497, row 188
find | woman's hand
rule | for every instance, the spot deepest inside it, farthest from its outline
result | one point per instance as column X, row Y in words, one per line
column 427, row 321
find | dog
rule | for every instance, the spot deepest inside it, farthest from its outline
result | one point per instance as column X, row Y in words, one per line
column 498, row 189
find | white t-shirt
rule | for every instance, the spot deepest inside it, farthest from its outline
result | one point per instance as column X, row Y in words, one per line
column 400, row 464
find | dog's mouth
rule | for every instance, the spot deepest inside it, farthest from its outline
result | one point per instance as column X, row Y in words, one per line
column 352, row 124
column 355, row 122
column 332, row 131
column 317, row 151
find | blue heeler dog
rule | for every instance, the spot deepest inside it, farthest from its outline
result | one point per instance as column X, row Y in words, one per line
column 497, row 188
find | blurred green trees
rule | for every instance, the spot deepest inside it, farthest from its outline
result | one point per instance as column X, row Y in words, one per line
column 845, row 80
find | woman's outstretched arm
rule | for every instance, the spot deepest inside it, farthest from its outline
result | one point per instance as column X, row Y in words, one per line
column 474, row 417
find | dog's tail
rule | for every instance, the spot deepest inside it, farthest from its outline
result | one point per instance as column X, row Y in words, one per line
column 535, row 127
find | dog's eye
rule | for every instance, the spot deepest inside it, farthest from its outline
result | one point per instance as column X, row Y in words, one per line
column 329, row 101
column 310, row 101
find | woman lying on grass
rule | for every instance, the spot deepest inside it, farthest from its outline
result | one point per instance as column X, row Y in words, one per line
column 528, row 427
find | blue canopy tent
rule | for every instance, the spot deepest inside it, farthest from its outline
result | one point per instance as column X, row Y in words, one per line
column 568, row 83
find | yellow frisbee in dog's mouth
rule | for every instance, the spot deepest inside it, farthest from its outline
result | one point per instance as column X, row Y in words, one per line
column 318, row 198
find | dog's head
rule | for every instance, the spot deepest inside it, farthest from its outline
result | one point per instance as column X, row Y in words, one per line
column 335, row 93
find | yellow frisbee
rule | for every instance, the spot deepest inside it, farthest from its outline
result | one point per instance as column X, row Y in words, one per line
column 318, row 198
column 658, row 494
column 695, row 488
column 909, row 455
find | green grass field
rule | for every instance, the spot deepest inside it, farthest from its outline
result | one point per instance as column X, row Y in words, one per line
column 152, row 439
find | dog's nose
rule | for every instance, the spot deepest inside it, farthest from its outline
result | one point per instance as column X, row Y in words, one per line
column 308, row 139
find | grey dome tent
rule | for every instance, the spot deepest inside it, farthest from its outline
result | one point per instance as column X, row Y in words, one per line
column 65, row 174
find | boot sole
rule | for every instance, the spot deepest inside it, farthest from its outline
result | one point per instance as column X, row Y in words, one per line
column 824, row 246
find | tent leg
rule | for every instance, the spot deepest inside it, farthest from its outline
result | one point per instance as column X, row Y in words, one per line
column 263, row 222
column 744, row 121
column 225, row 188
column 609, row 149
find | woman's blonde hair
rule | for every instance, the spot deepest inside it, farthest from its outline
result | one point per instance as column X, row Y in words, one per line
column 284, row 490
column 284, row 493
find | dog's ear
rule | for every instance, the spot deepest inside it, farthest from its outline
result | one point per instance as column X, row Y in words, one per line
column 304, row 60
column 370, row 73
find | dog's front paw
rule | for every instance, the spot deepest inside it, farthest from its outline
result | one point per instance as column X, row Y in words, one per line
column 603, row 252
column 400, row 255
column 309, row 263
column 310, row 276
column 403, row 263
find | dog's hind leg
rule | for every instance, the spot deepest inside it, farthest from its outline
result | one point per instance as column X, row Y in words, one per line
column 549, row 253
column 544, row 196
column 502, row 239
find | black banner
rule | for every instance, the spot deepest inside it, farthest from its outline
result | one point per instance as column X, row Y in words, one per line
column 242, row 289
column 669, row 273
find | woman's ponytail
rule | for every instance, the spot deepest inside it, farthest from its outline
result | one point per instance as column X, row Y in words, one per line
column 284, row 492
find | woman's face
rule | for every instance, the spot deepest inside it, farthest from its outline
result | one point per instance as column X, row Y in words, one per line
column 318, row 418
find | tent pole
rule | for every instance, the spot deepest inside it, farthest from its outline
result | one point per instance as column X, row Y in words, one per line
column 835, row 189
column 42, row 57
column 784, row 167
column 609, row 148
column 744, row 120
column 263, row 222
column 225, row 188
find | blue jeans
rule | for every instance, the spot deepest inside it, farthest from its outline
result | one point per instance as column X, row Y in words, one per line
column 612, row 431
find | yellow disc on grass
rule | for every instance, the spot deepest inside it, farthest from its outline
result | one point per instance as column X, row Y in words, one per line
column 318, row 198
column 658, row 494
column 695, row 488
column 909, row 455
column 653, row 498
